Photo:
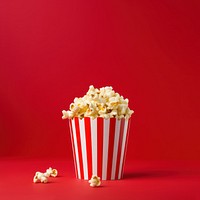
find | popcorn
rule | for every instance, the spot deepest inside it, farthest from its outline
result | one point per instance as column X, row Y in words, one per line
column 91, row 111
column 67, row 114
column 122, row 109
column 103, row 102
column 43, row 177
column 51, row 172
column 40, row 177
column 95, row 181
column 101, row 108
column 113, row 102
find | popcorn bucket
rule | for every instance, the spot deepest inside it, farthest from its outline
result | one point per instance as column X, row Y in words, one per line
column 99, row 147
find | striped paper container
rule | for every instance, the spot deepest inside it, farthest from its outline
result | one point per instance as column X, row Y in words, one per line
column 99, row 147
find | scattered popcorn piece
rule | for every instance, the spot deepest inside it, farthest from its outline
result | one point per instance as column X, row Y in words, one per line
column 35, row 179
column 51, row 172
column 95, row 181
column 103, row 102
column 40, row 177
column 43, row 177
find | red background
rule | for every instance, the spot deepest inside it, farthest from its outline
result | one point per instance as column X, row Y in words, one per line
column 51, row 51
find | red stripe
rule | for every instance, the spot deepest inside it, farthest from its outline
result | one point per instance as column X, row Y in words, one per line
column 125, row 148
column 79, row 147
column 88, row 145
column 119, row 148
column 110, row 147
column 99, row 145
column 73, row 149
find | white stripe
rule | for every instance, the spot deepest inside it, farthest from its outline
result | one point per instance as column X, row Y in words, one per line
column 115, row 148
column 76, row 148
column 73, row 149
column 105, row 148
column 123, row 148
column 93, row 123
column 83, row 147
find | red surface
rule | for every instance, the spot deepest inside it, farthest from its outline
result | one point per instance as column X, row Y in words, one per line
column 143, row 180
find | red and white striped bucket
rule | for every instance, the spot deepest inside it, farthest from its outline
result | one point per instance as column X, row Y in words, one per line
column 99, row 147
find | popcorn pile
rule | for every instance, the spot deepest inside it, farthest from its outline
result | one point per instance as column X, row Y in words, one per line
column 103, row 102
column 43, row 177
